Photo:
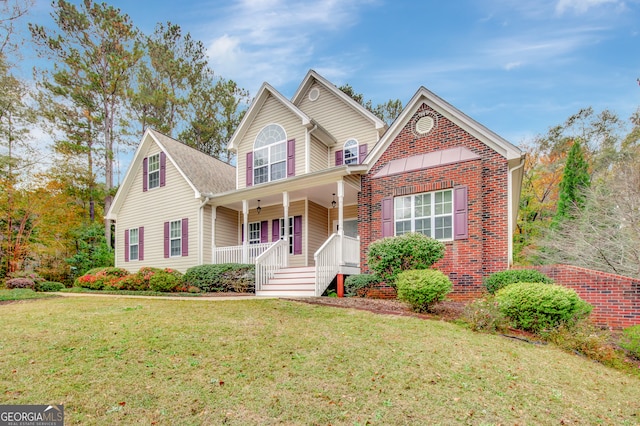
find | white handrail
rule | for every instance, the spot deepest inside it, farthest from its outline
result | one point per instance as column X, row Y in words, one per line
column 270, row 261
column 328, row 262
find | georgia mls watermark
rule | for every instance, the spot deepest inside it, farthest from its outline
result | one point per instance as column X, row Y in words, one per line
column 31, row 415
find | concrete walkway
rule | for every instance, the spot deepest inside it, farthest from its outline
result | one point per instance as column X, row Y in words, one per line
column 189, row 298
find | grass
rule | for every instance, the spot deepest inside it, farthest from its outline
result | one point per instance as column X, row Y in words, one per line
column 124, row 361
column 21, row 294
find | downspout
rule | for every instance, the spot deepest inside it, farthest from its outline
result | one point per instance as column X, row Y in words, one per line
column 511, row 219
column 207, row 198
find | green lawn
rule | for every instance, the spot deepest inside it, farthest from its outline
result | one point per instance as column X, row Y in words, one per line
column 126, row 361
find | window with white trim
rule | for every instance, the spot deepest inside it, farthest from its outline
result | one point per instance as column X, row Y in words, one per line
column 154, row 171
column 254, row 233
column 430, row 214
column 134, row 244
column 270, row 154
column 175, row 238
column 290, row 232
column 351, row 152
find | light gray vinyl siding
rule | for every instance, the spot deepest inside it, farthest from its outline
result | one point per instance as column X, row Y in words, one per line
column 176, row 200
column 339, row 119
column 317, row 224
column 319, row 156
column 226, row 227
column 272, row 112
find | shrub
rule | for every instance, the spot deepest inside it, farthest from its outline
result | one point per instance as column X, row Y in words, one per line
column 588, row 340
column 536, row 306
column 356, row 285
column 498, row 280
column 166, row 281
column 485, row 315
column 100, row 278
column 12, row 283
column 49, row 286
column 391, row 255
column 630, row 340
column 234, row 277
column 422, row 288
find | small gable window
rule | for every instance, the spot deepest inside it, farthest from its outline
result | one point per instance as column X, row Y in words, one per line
column 351, row 153
column 154, row 171
column 270, row 154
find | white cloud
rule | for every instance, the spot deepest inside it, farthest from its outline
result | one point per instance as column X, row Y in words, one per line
column 582, row 6
column 276, row 40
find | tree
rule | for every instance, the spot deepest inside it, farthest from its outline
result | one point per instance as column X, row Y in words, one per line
column 386, row 112
column 94, row 48
column 10, row 12
column 575, row 180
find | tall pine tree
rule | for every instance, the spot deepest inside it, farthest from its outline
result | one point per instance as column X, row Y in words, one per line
column 575, row 180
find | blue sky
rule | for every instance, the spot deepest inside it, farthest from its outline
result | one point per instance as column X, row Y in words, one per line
column 518, row 67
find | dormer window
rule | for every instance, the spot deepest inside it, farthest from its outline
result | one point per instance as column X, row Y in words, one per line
column 270, row 154
column 351, row 152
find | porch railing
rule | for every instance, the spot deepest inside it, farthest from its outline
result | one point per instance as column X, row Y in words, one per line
column 234, row 254
column 334, row 253
column 270, row 261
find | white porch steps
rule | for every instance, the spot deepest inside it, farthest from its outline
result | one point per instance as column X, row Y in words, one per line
column 291, row 282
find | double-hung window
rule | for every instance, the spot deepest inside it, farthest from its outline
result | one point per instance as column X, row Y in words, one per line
column 430, row 214
column 254, row 233
column 154, row 171
column 175, row 237
column 134, row 244
column 270, row 154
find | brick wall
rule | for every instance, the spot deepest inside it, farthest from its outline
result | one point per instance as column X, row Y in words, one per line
column 615, row 299
column 466, row 261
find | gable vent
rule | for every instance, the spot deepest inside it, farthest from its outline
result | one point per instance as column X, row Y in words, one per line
column 314, row 94
column 424, row 125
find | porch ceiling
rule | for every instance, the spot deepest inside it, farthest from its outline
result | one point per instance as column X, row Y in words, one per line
column 317, row 187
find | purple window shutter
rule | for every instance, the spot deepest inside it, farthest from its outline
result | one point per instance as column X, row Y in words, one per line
column 297, row 235
column 185, row 237
column 166, row 239
column 264, row 231
column 163, row 169
column 461, row 213
column 275, row 230
column 291, row 158
column 242, row 233
column 362, row 152
column 387, row 217
column 249, row 168
column 141, row 243
column 126, row 245
column 145, row 174
column 339, row 155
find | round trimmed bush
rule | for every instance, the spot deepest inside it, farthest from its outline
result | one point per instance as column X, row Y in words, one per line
column 353, row 283
column 49, row 286
column 391, row 255
column 20, row 283
column 537, row 306
column 422, row 288
column 498, row 280
column 165, row 281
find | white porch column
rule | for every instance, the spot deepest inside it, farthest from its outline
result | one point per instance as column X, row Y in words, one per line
column 285, row 205
column 245, row 221
column 340, row 220
column 214, row 210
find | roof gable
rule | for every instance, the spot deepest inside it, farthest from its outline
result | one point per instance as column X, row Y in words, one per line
column 265, row 91
column 313, row 77
column 206, row 175
column 424, row 96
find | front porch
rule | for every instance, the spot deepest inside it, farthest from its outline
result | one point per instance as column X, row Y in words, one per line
column 339, row 255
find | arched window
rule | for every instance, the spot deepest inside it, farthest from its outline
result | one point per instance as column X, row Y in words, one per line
column 351, row 152
column 270, row 154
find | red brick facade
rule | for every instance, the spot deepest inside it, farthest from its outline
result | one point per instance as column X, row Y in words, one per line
column 615, row 299
column 485, row 250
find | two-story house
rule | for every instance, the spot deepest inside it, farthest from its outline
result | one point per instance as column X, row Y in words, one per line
column 317, row 179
